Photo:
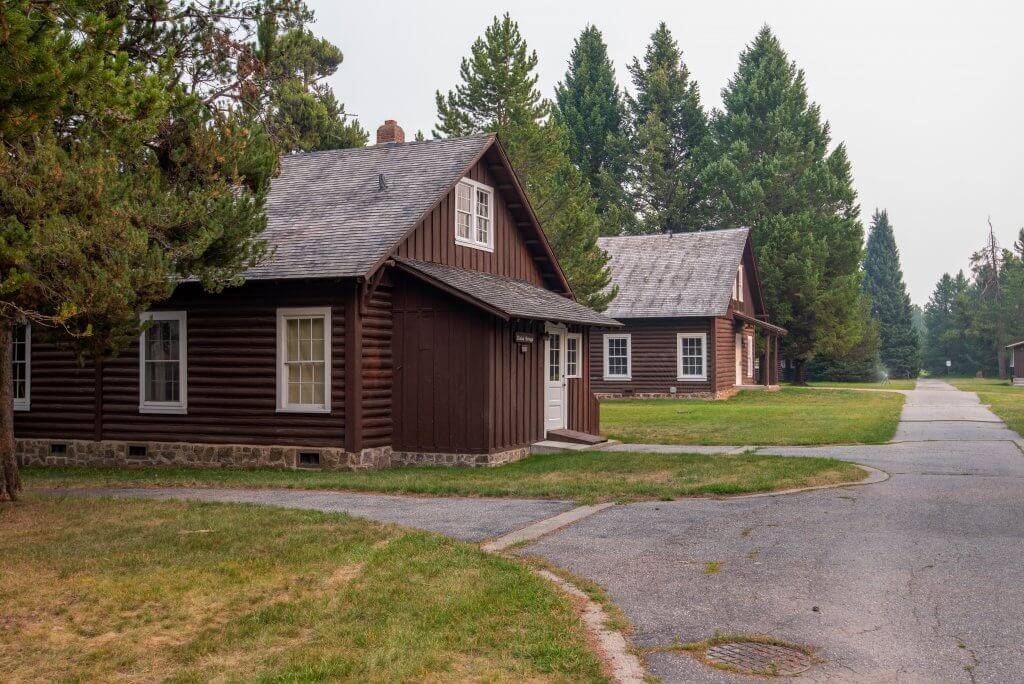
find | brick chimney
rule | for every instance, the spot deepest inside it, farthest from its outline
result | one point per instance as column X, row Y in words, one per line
column 390, row 132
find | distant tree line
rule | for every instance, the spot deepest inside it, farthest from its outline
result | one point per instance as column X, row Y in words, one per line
column 598, row 160
column 971, row 317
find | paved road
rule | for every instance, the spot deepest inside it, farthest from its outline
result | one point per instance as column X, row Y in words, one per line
column 919, row 578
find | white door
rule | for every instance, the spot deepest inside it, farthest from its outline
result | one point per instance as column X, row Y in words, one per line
column 739, row 359
column 554, row 381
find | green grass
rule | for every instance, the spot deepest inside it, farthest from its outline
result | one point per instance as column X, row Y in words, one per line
column 791, row 416
column 1006, row 400
column 102, row 590
column 902, row 384
column 581, row 476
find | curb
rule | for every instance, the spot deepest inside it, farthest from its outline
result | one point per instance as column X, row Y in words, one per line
column 540, row 528
column 874, row 477
column 625, row 666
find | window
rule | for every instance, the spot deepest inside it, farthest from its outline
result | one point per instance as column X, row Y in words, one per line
column 573, row 342
column 554, row 358
column 474, row 204
column 750, row 356
column 162, row 363
column 692, row 356
column 617, row 357
column 21, row 370
column 304, row 360
column 737, row 286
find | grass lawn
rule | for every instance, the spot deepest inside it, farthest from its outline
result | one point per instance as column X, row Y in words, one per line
column 902, row 384
column 582, row 476
column 165, row 591
column 1006, row 400
column 790, row 416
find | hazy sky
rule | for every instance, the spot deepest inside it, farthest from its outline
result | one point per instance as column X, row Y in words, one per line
column 927, row 96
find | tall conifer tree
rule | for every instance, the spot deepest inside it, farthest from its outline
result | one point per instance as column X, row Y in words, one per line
column 890, row 303
column 590, row 105
column 498, row 94
column 669, row 130
column 774, row 172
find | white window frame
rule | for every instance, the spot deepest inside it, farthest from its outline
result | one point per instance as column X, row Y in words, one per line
column 283, row 315
column 577, row 338
column 179, row 407
column 750, row 356
column 25, row 403
column 629, row 355
column 738, row 285
column 471, row 241
column 703, row 337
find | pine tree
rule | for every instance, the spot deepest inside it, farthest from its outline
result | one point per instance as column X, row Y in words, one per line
column 590, row 106
column 135, row 154
column 989, row 321
column 773, row 172
column 948, row 319
column 302, row 111
column 669, row 129
column 890, row 303
column 498, row 94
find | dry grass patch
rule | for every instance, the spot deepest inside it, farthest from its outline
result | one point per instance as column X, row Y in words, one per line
column 108, row 590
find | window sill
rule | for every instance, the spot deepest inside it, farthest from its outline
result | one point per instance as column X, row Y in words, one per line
column 692, row 378
column 463, row 242
column 320, row 410
column 613, row 378
column 164, row 410
column 22, row 407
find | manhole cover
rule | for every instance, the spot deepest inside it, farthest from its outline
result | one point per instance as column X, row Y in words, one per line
column 756, row 658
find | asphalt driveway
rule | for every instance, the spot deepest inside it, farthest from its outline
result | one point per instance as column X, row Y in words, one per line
column 918, row 578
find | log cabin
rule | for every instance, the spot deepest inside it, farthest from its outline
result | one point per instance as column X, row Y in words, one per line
column 412, row 311
column 695, row 323
column 1016, row 354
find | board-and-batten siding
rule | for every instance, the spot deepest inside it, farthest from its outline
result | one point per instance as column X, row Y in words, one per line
column 584, row 411
column 517, row 385
column 440, row 398
column 653, row 357
column 232, row 376
column 433, row 239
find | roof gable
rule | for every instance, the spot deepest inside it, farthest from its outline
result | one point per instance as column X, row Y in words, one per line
column 677, row 275
column 343, row 213
column 328, row 216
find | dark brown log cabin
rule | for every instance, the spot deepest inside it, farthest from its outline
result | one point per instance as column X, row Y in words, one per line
column 1016, row 353
column 412, row 311
column 694, row 318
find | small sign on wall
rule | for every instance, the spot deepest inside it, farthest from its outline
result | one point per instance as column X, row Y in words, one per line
column 524, row 338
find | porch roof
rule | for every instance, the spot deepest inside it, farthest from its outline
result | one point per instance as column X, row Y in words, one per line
column 504, row 297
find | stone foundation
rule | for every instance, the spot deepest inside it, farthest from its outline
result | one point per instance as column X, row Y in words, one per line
column 657, row 395
column 58, row 452
column 409, row 458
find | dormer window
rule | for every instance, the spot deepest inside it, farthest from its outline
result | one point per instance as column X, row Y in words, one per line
column 474, row 211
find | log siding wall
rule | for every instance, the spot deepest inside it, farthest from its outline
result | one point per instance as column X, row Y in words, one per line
column 653, row 357
column 232, row 377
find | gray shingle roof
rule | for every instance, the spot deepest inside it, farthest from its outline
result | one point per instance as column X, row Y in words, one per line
column 327, row 216
column 513, row 298
column 685, row 274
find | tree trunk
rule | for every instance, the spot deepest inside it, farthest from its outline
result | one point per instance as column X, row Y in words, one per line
column 10, row 483
column 798, row 372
